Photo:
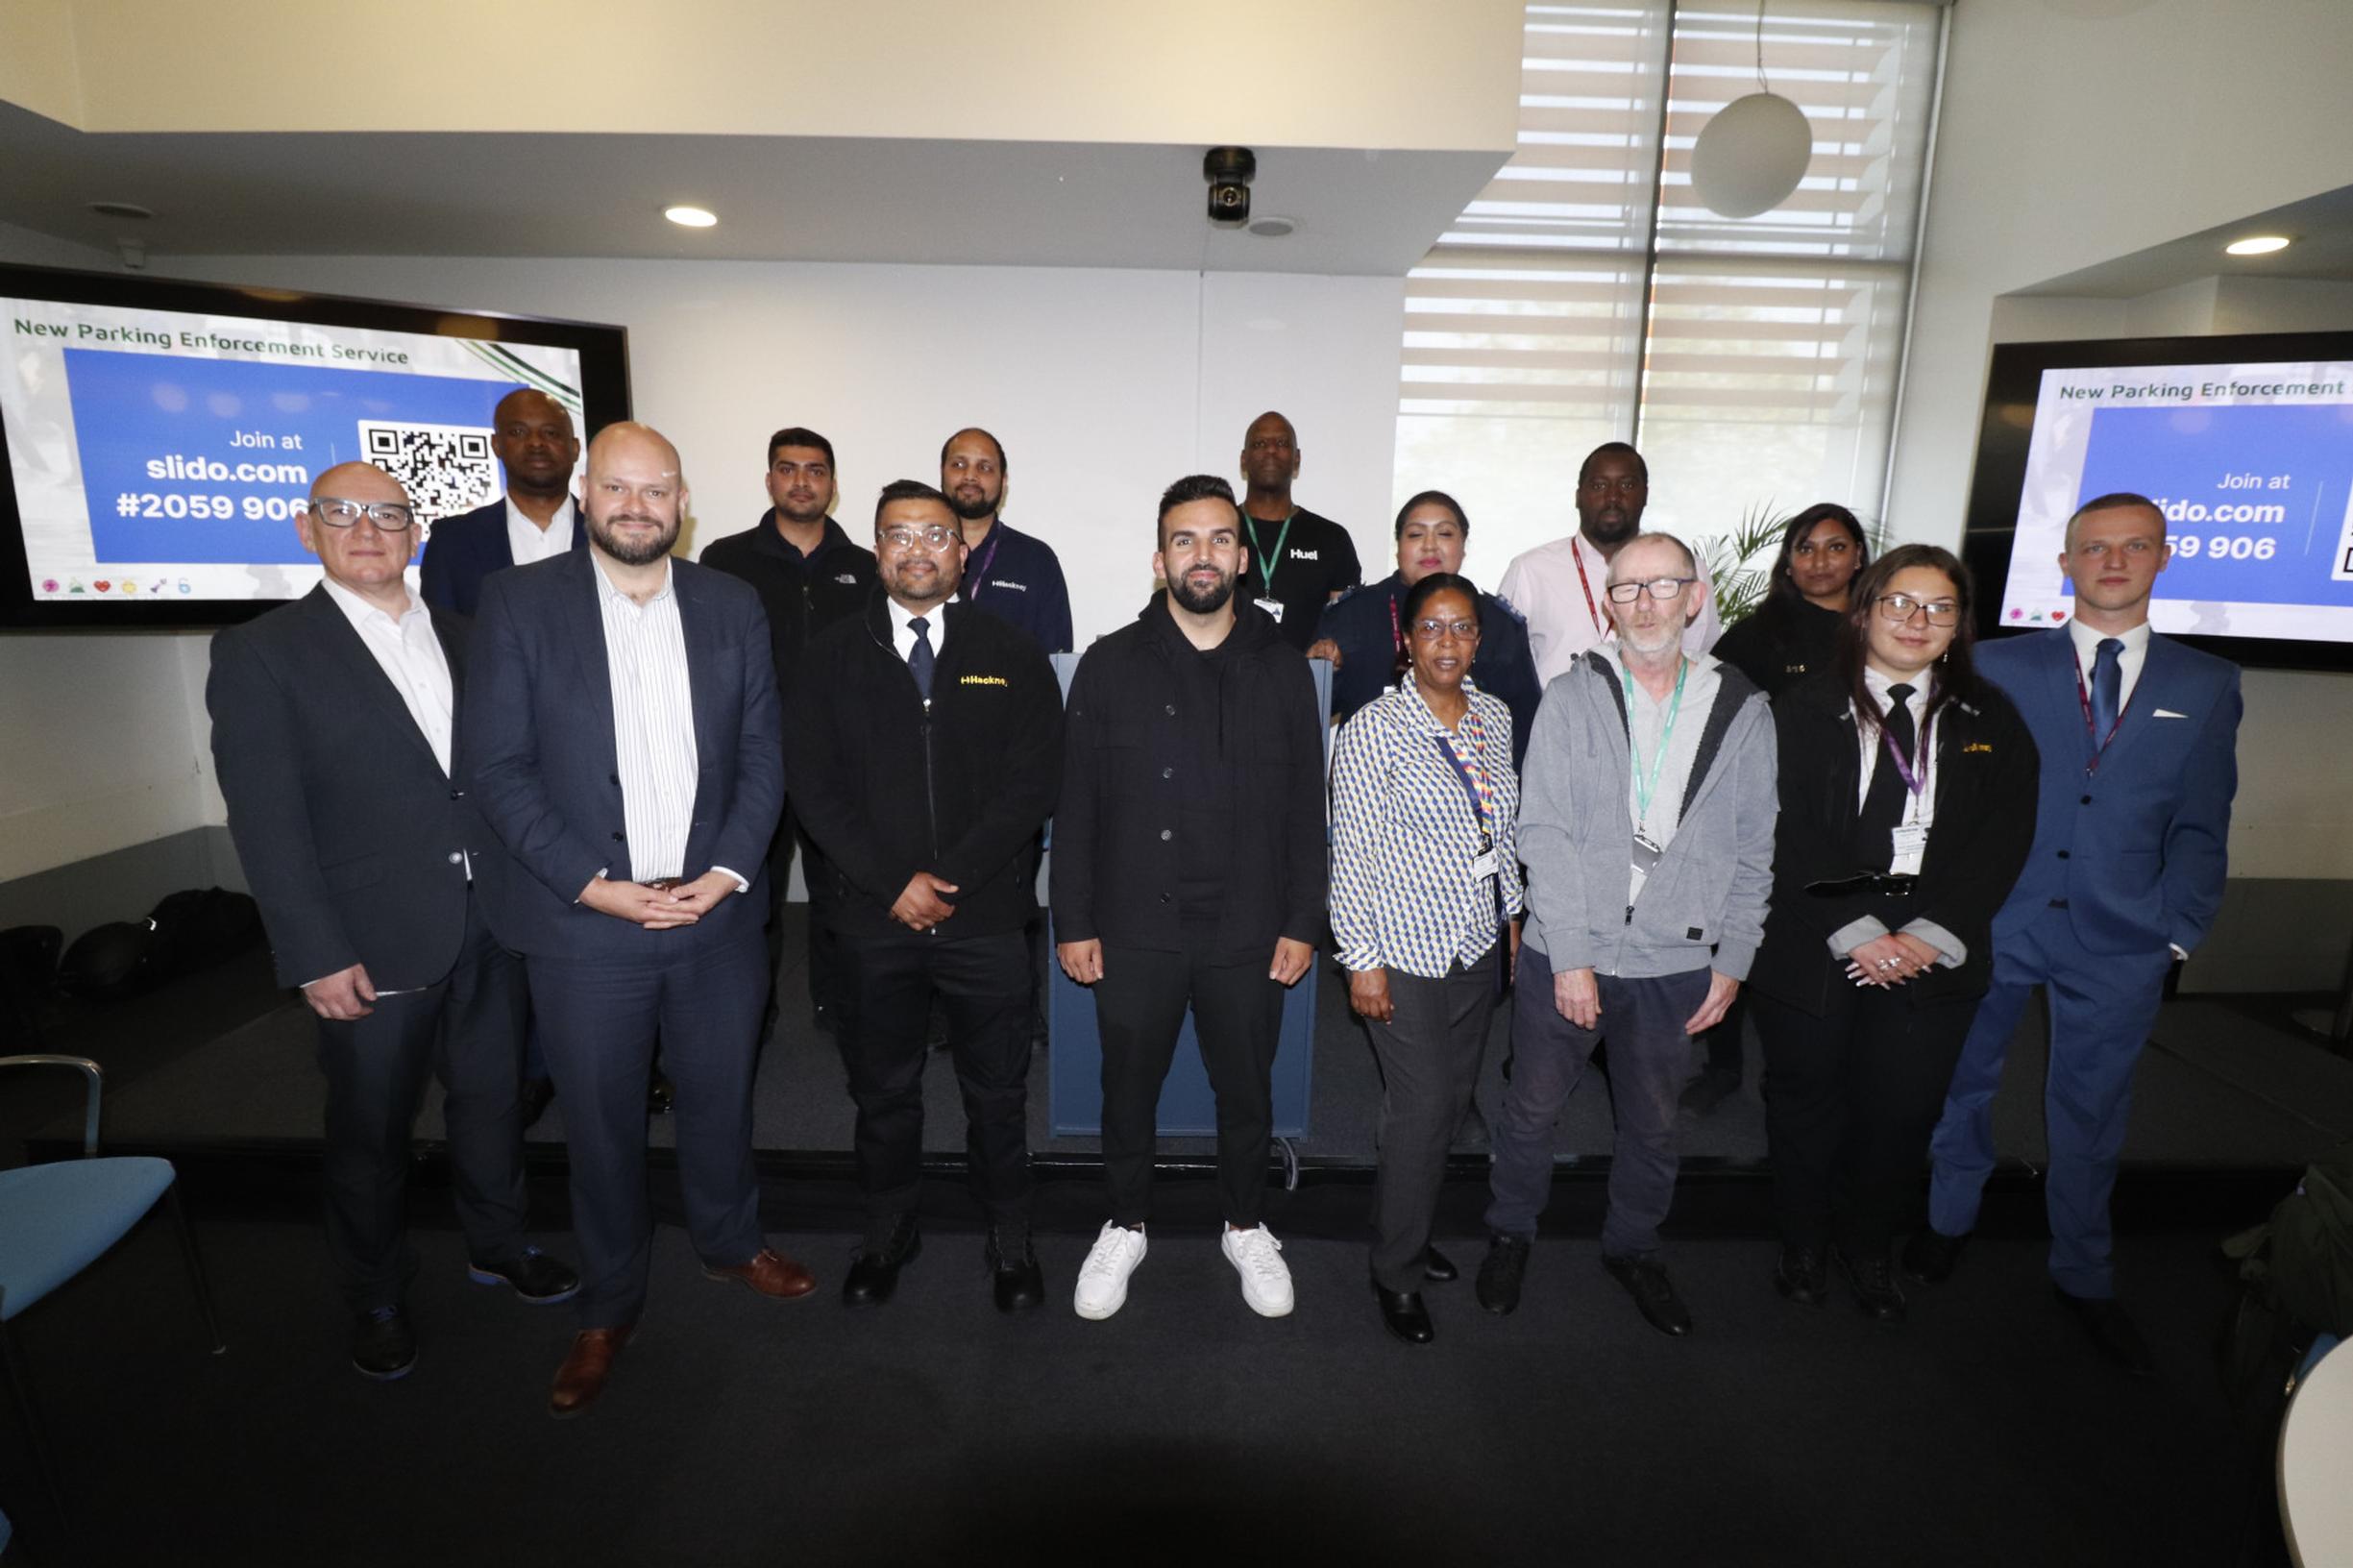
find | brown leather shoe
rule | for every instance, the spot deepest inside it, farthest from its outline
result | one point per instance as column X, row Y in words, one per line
column 771, row 1273
column 587, row 1367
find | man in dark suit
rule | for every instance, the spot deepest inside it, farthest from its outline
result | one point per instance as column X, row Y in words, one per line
column 2138, row 735
column 532, row 434
column 624, row 738
column 332, row 733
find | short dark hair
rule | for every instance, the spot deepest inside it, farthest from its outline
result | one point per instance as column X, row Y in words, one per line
column 2115, row 501
column 1433, row 498
column 793, row 435
column 974, row 429
column 1615, row 449
column 1956, row 677
column 1194, row 487
column 906, row 490
column 1428, row 588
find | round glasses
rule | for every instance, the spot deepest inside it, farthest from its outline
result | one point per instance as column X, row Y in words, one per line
column 391, row 516
column 1902, row 608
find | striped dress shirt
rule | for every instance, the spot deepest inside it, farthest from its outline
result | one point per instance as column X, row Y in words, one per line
column 653, row 724
column 1404, row 834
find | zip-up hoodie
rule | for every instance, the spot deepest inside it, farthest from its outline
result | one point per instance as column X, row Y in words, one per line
column 1702, row 906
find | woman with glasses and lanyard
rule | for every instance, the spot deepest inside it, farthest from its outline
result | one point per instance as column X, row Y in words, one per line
column 1908, row 788
column 1425, row 884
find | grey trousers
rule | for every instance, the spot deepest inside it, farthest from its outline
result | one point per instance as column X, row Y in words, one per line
column 1649, row 1057
column 1428, row 1055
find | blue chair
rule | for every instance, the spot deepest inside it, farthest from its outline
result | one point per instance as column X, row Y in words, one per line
column 58, row 1219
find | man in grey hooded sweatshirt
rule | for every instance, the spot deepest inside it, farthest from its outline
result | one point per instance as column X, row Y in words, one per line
column 1646, row 821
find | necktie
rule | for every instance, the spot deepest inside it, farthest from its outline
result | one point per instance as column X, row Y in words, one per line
column 919, row 657
column 2107, row 687
column 1883, row 803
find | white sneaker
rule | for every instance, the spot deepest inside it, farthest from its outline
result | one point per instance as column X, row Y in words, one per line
column 1102, row 1279
column 1258, row 1258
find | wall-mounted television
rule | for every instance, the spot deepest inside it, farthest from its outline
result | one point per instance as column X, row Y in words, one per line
column 160, row 436
column 2244, row 442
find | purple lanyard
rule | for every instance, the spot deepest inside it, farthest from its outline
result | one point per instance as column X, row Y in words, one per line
column 978, row 569
column 1914, row 781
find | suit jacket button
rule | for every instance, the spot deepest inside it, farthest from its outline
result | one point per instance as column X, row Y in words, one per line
column 616, row 778
column 1172, row 710
column 2061, row 854
column 620, row 838
column 1165, row 835
column 457, row 795
column 1164, row 897
column 458, row 857
column 1168, row 773
column 2085, row 801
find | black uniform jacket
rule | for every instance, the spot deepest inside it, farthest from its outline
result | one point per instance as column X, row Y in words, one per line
column 886, row 790
column 1118, row 861
column 1988, row 773
column 802, row 595
column 1778, row 648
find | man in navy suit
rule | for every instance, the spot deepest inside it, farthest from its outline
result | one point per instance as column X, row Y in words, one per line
column 624, row 742
column 2139, row 739
column 332, row 736
column 532, row 435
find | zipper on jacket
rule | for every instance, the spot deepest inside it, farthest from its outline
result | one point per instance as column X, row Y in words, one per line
column 931, row 802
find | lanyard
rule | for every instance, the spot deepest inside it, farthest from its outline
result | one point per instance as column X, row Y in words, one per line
column 2099, row 744
column 1600, row 626
column 1645, row 788
column 1915, row 769
column 976, row 569
column 1479, row 785
column 1267, row 564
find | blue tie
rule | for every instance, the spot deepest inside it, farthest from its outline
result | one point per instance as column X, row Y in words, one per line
column 2107, row 685
column 919, row 656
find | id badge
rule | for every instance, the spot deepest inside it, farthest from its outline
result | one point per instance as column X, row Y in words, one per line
column 1911, row 847
column 1482, row 866
column 1646, row 852
column 1272, row 606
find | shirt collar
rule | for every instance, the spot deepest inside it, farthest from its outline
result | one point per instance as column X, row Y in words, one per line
column 358, row 611
column 900, row 616
column 561, row 520
column 1921, row 684
column 607, row 592
column 2087, row 639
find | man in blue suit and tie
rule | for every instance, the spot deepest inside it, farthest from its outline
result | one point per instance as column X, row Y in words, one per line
column 2138, row 737
column 531, row 436
column 625, row 739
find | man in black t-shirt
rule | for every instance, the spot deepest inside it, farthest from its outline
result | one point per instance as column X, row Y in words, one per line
column 1309, row 560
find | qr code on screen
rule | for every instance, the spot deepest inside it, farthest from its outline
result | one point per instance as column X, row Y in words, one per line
column 446, row 469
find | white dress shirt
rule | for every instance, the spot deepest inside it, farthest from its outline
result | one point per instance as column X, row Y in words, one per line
column 528, row 542
column 653, row 724
column 902, row 626
column 1544, row 585
column 2128, row 663
column 1918, row 810
column 410, row 655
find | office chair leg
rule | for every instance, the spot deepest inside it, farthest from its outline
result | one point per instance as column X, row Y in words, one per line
column 196, row 1265
column 20, row 1390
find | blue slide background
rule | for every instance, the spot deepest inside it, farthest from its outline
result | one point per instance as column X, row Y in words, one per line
column 2184, row 453
column 131, row 407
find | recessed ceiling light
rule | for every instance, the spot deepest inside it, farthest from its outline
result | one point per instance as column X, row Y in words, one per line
column 2256, row 245
column 691, row 217
column 121, row 210
column 1274, row 226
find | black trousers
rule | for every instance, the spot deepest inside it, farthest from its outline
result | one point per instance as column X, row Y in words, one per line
column 1428, row 1055
column 468, row 1030
column 888, row 986
column 1238, row 1015
column 1850, row 1097
column 602, row 1018
column 825, row 957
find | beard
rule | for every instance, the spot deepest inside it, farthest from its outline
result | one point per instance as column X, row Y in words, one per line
column 972, row 511
column 632, row 551
column 1207, row 601
column 912, row 586
column 1604, row 529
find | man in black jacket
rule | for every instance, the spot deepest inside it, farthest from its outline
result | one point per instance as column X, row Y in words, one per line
column 809, row 575
column 924, row 745
column 1188, row 871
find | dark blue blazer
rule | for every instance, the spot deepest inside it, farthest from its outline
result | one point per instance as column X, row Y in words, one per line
column 539, row 743
column 2137, row 847
column 462, row 551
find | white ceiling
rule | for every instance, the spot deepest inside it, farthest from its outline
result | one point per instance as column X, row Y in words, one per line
column 2320, row 226
column 803, row 199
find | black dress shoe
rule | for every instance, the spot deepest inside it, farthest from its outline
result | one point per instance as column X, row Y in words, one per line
column 1403, row 1313
column 2112, row 1332
column 1930, row 1255
column 534, row 1276
column 1800, row 1277
column 1438, row 1269
column 658, row 1095
column 538, row 1094
column 874, row 1273
column 384, row 1344
column 1873, row 1282
column 1646, row 1280
column 1500, row 1275
column 1017, row 1282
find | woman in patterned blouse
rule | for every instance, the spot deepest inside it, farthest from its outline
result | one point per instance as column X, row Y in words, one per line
column 1425, row 884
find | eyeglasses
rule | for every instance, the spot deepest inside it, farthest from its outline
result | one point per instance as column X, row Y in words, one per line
column 1431, row 629
column 1625, row 593
column 1902, row 608
column 391, row 516
column 939, row 536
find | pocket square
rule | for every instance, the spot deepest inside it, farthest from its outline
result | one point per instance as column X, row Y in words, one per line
column 2168, row 713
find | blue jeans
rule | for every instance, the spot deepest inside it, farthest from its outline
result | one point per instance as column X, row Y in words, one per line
column 1649, row 1057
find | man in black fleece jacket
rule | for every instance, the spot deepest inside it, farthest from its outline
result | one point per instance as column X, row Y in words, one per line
column 1188, row 871
column 923, row 749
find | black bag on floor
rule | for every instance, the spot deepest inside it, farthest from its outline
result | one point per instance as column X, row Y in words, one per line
column 198, row 928
column 27, row 974
column 110, row 962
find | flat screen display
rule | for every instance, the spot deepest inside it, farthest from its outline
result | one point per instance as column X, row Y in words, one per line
column 162, row 438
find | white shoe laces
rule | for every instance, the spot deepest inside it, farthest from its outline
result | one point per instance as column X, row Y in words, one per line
column 1256, row 1250
column 1112, row 1252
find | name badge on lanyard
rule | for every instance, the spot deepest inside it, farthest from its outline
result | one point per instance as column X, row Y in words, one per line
column 1908, row 843
column 1272, row 606
column 1480, row 788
